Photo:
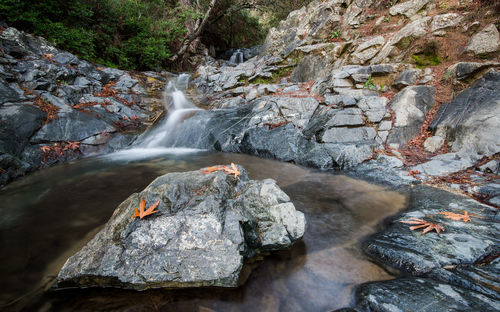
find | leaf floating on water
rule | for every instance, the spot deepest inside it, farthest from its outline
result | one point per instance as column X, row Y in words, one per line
column 428, row 226
column 141, row 213
column 456, row 216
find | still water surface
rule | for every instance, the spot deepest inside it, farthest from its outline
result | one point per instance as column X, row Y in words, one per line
column 49, row 215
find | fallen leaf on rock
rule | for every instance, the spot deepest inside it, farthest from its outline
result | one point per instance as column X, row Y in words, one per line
column 226, row 169
column 211, row 169
column 141, row 213
column 429, row 226
column 232, row 170
column 456, row 216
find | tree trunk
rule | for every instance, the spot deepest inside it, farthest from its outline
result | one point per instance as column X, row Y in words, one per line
column 194, row 33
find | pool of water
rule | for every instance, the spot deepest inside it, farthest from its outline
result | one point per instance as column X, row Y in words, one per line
column 50, row 214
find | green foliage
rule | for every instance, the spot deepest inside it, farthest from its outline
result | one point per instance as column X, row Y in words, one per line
column 424, row 60
column 369, row 84
column 336, row 34
column 125, row 33
column 428, row 55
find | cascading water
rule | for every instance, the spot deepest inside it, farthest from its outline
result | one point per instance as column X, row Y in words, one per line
column 158, row 140
column 237, row 57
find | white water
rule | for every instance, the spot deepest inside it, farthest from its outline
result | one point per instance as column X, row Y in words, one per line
column 237, row 57
column 157, row 141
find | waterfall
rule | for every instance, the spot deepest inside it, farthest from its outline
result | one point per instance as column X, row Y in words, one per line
column 158, row 140
column 237, row 57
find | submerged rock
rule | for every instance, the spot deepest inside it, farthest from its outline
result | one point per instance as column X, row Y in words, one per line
column 420, row 294
column 205, row 228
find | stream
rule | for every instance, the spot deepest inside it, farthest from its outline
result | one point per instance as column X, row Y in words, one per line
column 46, row 217
column 49, row 215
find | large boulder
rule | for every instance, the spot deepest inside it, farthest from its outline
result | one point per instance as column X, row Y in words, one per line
column 471, row 122
column 485, row 41
column 205, row 228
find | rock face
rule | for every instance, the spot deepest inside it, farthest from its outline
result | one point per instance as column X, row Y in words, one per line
column 408, row 8
column 49, row 98
column 472, row 120
column 207, row 225
column 410, row 107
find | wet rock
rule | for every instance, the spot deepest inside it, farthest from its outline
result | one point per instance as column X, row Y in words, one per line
column 461, row 243
column 71, row 126
column 206, row 226
column 408, row 8
column 492, row 166
column 471, row 121
column 407, row 78
column 18, row 122
column 410, row 107
column 485, row 41
column 420, row 294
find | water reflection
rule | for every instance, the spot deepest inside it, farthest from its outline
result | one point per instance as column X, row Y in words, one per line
column 47, row 217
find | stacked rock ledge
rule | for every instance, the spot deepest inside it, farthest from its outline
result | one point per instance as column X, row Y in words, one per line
column 206, row 226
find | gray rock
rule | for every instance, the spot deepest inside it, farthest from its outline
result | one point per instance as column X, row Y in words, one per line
column 492, row 166
column 444, row 21
column 433, row 144
column 410, row 107
column 413, row 30
column 206, row 225
column 367, row 49
column 445, row 164
column 460, row 243
column 420, row 294
column 485, row 41
column 374, row 107
column 408, row 8
column 308, row 69
column 71, row 126
column 65, row 58
column 125, row 83
column 349, row 135
column 407, row 78
column 471, row 121
column 9, row 94
column 464, row 70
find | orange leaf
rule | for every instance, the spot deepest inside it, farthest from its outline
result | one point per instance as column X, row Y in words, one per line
column 141, row 213
column 211, row 169
column 232, row 170
column 428, row 226
column 456, row 216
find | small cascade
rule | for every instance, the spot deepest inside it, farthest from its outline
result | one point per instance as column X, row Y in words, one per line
column 159, row 140
column 237, row 57
column 178, row 107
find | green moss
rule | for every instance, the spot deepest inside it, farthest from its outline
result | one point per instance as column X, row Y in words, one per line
column 424, row 60
column 404, row 43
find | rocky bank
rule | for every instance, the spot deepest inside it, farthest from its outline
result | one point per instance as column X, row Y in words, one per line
column 55, row 107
